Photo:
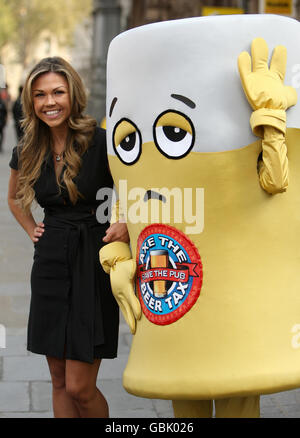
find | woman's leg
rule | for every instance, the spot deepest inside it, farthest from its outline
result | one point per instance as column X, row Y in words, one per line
column 63, row 404
column 81, row 386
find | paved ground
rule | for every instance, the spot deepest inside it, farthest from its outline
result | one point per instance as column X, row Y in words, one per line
column 25, row 388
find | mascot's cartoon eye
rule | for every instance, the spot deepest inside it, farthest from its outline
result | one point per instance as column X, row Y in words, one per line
column 174, row 134
column 127, row 141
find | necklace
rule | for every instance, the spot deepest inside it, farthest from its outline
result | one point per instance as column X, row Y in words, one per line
column 58, row 157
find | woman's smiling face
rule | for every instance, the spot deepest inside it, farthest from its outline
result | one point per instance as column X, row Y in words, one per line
column 51, row 99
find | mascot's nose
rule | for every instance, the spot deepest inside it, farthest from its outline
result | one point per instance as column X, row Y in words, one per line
column 151, row 194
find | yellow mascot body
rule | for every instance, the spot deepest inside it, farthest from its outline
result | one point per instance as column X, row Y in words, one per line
column 216, row 256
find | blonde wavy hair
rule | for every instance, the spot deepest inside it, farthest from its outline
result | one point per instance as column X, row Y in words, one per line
column 36, row 141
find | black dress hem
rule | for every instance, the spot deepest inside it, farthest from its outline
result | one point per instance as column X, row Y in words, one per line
column 68, row 357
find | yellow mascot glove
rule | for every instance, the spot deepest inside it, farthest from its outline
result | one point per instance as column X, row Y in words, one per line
column 116, row 260
column 264, row 88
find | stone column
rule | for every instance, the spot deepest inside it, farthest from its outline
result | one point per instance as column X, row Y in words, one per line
column 106, row 25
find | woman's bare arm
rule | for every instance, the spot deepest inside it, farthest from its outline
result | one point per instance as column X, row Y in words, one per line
column 27, row 221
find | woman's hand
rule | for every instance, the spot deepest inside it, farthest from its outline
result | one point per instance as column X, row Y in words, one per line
column 38, row 231
column 117, row 232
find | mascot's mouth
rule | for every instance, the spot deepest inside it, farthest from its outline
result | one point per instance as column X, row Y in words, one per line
column 151, row 194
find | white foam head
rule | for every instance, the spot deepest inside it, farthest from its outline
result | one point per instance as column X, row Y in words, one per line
column 195, row 58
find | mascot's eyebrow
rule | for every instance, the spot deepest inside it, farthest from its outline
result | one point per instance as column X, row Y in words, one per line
column 184, row 99
column 114, row 101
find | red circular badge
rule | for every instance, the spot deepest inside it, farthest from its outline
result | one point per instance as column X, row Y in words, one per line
column 169, row 273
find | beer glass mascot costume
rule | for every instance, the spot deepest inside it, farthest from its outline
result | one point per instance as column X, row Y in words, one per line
column 213, row 209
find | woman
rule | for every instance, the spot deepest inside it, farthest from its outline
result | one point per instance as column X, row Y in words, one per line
column 61, row 163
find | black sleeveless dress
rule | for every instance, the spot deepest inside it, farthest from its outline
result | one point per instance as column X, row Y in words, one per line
column 73, row 313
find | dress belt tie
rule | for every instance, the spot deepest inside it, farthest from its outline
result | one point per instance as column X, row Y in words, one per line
column 83, row 330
